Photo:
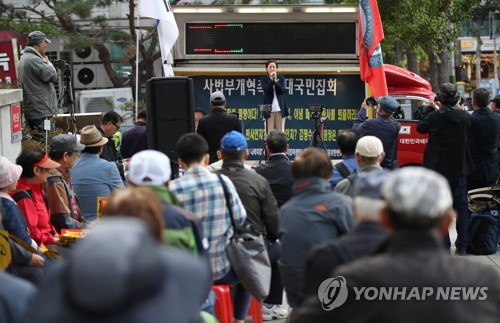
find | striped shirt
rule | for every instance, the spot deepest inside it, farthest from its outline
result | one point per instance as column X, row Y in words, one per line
column 201, row 193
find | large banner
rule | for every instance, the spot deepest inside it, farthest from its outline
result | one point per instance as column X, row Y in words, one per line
column 341, row 95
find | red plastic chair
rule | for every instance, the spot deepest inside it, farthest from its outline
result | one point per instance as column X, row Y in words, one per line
column 224, row 305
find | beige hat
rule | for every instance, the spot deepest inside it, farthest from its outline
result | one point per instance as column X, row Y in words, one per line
column 91, row 137
column 369, row 146
column 9, row 172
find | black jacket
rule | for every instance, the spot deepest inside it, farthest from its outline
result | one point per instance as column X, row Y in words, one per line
column 134, row 140
column 414, row 260
column 278, row 172
column 110, row 153
column 363, row 240
column 256, row 196
column 446, row 151
column 269, row 87
column 482, row 142
column 214, row 126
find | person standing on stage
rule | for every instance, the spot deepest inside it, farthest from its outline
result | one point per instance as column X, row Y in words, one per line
column 274, row 87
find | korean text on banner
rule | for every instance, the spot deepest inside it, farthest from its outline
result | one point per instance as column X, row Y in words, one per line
column 370, row 35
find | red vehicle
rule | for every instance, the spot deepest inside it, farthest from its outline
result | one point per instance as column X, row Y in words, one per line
column 408, row 88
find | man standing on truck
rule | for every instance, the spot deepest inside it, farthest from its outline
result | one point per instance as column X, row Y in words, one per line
column 384, row 127
column 447, row 153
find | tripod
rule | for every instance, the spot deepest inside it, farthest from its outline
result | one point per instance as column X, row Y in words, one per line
column 316, row 137
column 66, row 97
column 265, row 109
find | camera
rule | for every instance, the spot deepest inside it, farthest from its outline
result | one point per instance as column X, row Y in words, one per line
column 60, row 63
column 316, row 110
column 371, row 101
column 266, row 109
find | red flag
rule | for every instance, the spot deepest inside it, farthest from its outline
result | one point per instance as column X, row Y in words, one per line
column 370, row 35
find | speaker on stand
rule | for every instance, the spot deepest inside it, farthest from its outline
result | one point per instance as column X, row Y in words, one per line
column 170, row 114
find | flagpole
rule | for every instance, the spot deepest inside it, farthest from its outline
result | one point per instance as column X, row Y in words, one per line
column 137, row 66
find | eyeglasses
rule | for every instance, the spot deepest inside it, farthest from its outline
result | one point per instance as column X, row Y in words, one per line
column 117, row 126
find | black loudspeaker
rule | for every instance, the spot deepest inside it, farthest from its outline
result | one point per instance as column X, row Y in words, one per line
column 170, row 109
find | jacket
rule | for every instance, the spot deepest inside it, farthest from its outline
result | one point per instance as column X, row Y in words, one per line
column 37, row 77
column 110, row 153
column 278, row 172
column 59, row 202
column 447, row 150
column 385, row 128
column 482, row 143
column 214, row 126
column 134, row 140
column 313, row 215
column 35, row 212
column 93, row 177
column 268, row 86
column 256, row 196
column 14, row 221
column 363, row 240
column 414, row 260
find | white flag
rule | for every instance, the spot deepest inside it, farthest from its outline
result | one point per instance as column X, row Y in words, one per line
column 167, row 28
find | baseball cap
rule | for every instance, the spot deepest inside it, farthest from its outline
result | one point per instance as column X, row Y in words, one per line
column 149, row 168
column 388, row 103
column 367, row 198
column 9, row 172
column 448, row 93
column 417, row 193
column 369, row 146
column 66, row 142
column 217, row 96
column 233, row 141
column 38, row 35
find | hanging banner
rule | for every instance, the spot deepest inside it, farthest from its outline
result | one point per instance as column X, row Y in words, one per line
column 340, row 95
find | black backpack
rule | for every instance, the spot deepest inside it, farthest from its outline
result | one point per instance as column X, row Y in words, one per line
column 483, row 232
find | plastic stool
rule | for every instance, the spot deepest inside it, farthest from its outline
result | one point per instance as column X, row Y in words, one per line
column 223, row 304
column 255, row 311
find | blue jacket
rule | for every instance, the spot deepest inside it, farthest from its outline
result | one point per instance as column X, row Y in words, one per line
column 13, row 220
column 384, row 128
column 93, row 177
column 312, row 216
column 268, row 86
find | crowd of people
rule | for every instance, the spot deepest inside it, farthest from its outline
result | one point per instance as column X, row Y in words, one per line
column 156, row 243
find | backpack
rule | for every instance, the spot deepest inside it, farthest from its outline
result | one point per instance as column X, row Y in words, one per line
column 483, row 229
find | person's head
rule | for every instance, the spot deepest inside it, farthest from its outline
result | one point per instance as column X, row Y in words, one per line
column 388, row 105
column 192, row 149
column 36, row 164
column 495, row 103
column 233, row 146
column 38, row 41
column 417, row 198
column 9, row 175
column 347, row 141
column 64, row 149
column 92, row 139
column 137, row 202
column 198, row 114
column 111, row 123
column 367, row 200
column 276, row 142
column 217, row 100
column 271, row 66
column 448, row 94
column 312, row 162
column 480, row 98
column 149, row 168
column 142, row 115
column 369, row 151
